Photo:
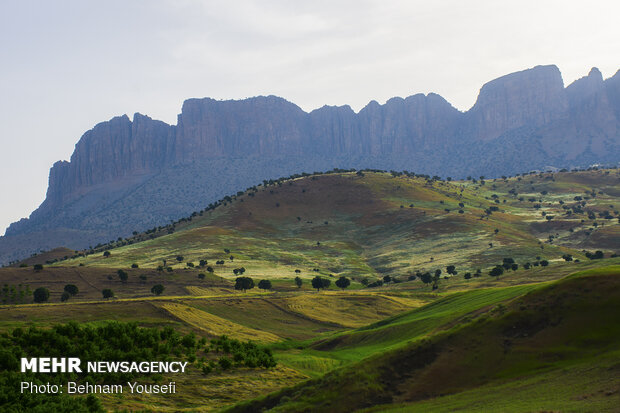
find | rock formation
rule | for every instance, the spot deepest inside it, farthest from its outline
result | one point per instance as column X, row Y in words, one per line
column 129, row 174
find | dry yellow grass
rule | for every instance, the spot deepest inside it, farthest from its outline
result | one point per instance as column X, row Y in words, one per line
column 198, row 393
column 207, row 291
column 214, row 325
column 348, row 309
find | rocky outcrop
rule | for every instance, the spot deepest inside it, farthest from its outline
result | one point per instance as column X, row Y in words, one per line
column 129, row 174
column 111, row 151
column 532, row 97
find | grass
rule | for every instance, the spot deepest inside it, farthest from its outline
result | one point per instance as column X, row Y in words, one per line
column 562, row 332
column 401, row 346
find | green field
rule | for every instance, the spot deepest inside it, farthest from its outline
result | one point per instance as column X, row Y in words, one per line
column 542, row 338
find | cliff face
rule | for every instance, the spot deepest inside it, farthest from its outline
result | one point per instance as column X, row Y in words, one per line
column 110, row 151
column 520, row 112
column 533, row 97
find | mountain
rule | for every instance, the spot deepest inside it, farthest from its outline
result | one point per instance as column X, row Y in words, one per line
column 127, row 175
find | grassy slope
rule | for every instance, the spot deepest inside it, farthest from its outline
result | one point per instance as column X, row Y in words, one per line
column 533, row 343
column 379, row 225
column 341, row 224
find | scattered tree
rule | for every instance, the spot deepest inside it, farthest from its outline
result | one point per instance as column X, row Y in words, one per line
column 122, row 275
column 264, row 285
column 41, row 295
column 343, row 282
column 157, row 289
column 71, row 289
column 244, row 283
column 496, row 271
column 107, row 293
column 65, row 296
column 319, row 282
column 298, row 282
column 426, row 278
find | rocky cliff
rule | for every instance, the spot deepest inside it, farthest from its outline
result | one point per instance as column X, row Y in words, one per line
column 128, row 174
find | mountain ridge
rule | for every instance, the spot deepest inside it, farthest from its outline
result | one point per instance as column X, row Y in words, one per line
column 562, row 126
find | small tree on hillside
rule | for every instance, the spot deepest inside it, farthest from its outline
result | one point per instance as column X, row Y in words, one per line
column 426, row 278
column 122, row 275
column 343, row 282
column 201, row 276
column 71, row 289
column 41, row 295
column 37, row 267
column 65, row 296
column 319, row 282
column 244, row 283
column 157, row 289
column 107, row 293
column 298, row 282
column 264, row 285
column 106, row 254
column 496, row 271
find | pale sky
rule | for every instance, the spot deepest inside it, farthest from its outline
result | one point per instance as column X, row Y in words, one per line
column 67, row 65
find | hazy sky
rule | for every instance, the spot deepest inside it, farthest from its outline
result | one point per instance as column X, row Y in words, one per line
column 67, row 65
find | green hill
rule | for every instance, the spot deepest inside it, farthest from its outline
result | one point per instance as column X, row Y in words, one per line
column 555, row 347
column 389, row 339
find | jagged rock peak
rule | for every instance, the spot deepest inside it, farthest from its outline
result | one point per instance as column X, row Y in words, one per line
column 534, row 97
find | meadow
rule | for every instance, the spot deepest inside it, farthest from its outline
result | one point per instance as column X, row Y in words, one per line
column 388, row 341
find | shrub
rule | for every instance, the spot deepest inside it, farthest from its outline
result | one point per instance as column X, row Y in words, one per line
column 264, row 285
column 71, row 289
column 157, row 289
column 41, row 295
column 343, row 282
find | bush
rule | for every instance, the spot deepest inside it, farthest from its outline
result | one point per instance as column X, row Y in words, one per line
column 157, row 289
column 107, row 293
column 318, row 283
column 264, row 285
column 343, row 282
column 225, row 363
column 201, row 276
column 37, row 267
column 65, row 296
column 496, row 271
column 71, row 289
column 41, row 295
column 244, row 283
column 122, row 275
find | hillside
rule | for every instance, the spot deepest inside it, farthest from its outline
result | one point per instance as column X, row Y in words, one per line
column 385, row 232
column 127, row 175
column 552, row 348
column 372, row 224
